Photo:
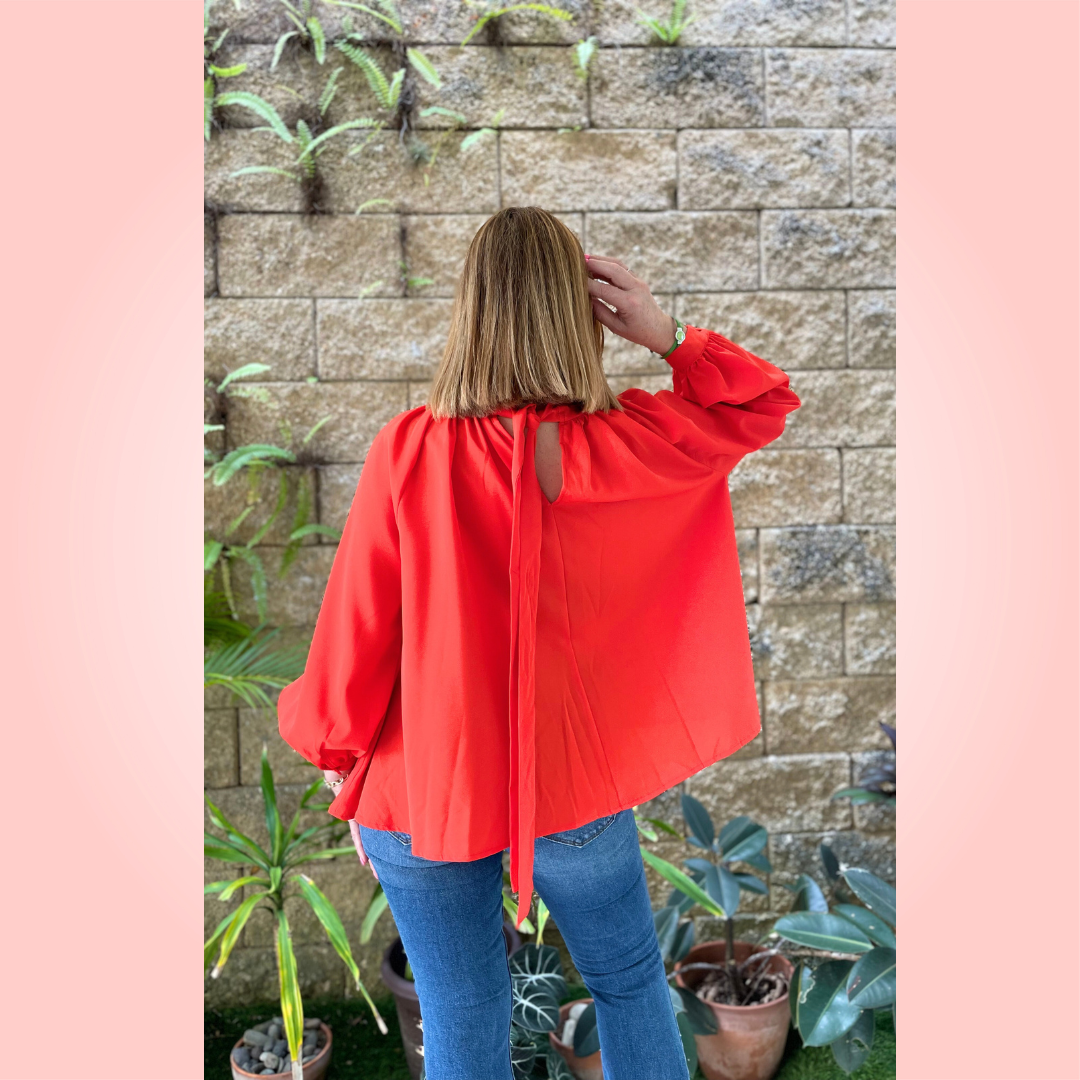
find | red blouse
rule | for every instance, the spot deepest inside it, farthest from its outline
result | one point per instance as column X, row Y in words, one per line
column 479, row 708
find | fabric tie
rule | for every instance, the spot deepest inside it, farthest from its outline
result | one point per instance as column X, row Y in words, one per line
column 525, row 537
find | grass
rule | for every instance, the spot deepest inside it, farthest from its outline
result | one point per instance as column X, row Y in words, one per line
column 361, row 1053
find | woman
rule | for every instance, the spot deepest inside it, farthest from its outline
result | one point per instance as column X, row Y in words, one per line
column 534, row 622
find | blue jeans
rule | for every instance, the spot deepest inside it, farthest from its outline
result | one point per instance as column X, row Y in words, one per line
column 450, row 916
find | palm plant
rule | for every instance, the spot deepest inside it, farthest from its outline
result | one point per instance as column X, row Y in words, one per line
column 275, row 876
column 251, row 670
column 670, row 30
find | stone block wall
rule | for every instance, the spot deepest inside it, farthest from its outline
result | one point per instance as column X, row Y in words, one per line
column 746, row 173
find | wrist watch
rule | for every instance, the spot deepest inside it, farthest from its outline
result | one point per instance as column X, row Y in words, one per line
column 680, row 337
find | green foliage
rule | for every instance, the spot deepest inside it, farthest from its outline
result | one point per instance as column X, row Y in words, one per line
column 481, row 133
column 488, row 14
column 834, row 995
column 387, row 91
column 211, row 71
column 273, row 880
column 878, row 785
column 250, row 669
column 584, row 54
column 670, row 30
column 309, row 32
column 387, row 15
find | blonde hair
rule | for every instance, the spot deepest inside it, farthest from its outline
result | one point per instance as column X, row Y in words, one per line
column 522, row 328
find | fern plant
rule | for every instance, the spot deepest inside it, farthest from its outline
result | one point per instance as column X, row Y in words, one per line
column 489, row 15
column 584, row 53
column 668, row 32
column 211, row 71
column 309, row 32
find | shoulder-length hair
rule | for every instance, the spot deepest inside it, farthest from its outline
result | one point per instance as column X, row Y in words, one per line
column 522, row 328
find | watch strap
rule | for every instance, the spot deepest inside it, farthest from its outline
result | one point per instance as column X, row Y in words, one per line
column 680, row 337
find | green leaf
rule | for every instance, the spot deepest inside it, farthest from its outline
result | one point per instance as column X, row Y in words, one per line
column 544, row 9
column 830, row 862
column 823, row 1012
column 879, row 896
column 292, row 1005
column 255, row 454
column 702, row 1018
column 337, row 129
column 698, row 820
column 390, row 18
column 542, row 915
column 674, row 876
column 808, row 895
column 666, row 923
column 475, row 136
column 684, row 940
column 523, row 1053
column 318, row 38
column 224, row 854
column 439, row 110
column 395, row 87
column 730, row 893
column 376, row 80
column 228, row 888
column 853, row 1048
column 211, row 551
column 557, row 1069
column 664, row 827
column 539, row 966
column 367, row 204
column 584, row 51
column 741, row 839
column 586, row 1033
column 533, row 1007
column 232, row 932
column 873, row 926
column 860, row 796
column 425, row 67
column 263, row 109
column 378, row 905
column 229, row 72
column 243, row 372
column 279, row 47
column 820, row 930
column 749, row 883
column 511, row 909
column 686, row 1033
column 236, row 838
column 872, row 984
column 212, row 940
column 326, row 853
column 273, row 818
column 758, row 862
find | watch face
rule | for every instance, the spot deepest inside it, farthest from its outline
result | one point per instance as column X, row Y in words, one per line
column 680, row 335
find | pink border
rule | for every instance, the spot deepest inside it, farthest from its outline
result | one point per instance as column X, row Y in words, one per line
column 988, row 524
column 103, row 340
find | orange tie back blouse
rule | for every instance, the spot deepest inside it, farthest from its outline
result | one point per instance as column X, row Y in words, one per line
column 492, row 666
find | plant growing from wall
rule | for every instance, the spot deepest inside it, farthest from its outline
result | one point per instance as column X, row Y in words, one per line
column 670, row 30
column 211, row 71
column 851, row 968
column 309, row 33
column 488, row 16
column 584, row 54
column 276, row 876
column 482, row 133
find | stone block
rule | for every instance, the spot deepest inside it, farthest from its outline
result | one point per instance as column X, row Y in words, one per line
column 223, row 504
column 789, row 329
column 237, row 148
column 685, row 252
column 589, row 170
column 678, row 88
column 786, row 487
column 435, row 247
column 731, row 170
column 748, row 560
column 209, row 255
column 280, row 333
column 796, row 641
column 381, row 339
column 870, row 639
column 831, row 87
column 870, row 486
column 872, row 23
column 828, row 564
column 293, row 255
column 873, row 167
column 337, row 488
column 259, row 728
column 807, row 717
column 295, row 599
column 872, row 328
column 357, row 411
column 782, row 793
column 842, row 408
column 538, row 28
column 217, row 697
column 728, row 22
column 418, row 394
column 828, row 248
column 800, row 853
column 292, row 88
column 536, row 86
column 430, row 173
column 219, row 748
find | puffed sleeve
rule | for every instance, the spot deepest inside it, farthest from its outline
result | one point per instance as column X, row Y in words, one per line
column 736, row 401
column 333, row 713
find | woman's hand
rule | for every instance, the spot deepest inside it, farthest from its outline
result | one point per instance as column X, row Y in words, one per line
column 354, row 832
column 637, row 316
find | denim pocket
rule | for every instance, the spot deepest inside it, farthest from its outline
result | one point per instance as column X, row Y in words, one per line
column 583, row 834
column 403, row 838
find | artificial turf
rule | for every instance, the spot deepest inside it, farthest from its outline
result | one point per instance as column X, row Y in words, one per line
column 361, row 1053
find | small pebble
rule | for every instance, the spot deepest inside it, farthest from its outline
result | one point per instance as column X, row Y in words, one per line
column 273, row 1032
column 255, row 1037
column 278, row 1020
column 312, row 1022
column 240, row 1055
column 264, row 1027
column 270, row 1060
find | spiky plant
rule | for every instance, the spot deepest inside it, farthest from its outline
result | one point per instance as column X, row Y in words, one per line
column 668, row 31
column 488, row 15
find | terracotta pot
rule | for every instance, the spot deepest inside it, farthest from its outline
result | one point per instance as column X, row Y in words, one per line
column 750, row 1042
column 586, row 1068
column 407, row 1002
column 315, row 1069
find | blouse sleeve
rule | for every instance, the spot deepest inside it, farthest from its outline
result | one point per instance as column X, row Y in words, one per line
column 332, row 714
column 736, row 401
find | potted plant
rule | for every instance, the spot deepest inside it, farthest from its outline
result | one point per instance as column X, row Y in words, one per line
column 397, row 973
column 743, row 984
column 288, row 1044
column 848, row 965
